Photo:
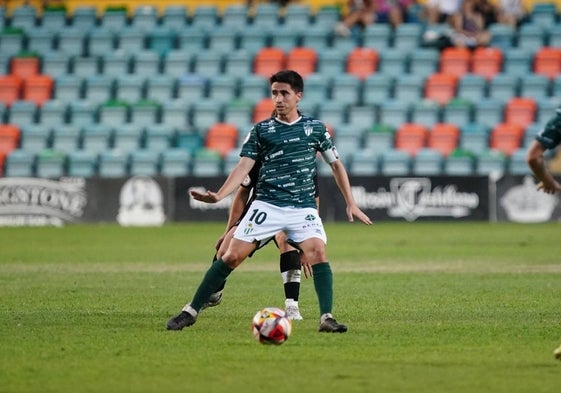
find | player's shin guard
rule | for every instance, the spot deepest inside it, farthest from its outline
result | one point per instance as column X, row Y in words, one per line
column 214, row 277
column 291, row 273
column 323, row 284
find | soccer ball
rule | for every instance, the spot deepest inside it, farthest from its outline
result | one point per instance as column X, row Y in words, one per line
column 271, row 326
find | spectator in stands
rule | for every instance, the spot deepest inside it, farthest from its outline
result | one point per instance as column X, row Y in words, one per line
column 468, row 26
column 366, row 12
column 442, row 11
column 511, row 12
column 488, row 10
column 547, row 139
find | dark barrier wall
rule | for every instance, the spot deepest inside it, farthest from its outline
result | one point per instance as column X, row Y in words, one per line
column 153, row 201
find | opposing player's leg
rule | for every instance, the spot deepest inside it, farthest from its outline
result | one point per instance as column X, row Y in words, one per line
column 291, row 273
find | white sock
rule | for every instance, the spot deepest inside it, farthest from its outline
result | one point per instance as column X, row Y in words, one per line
column 190, row 310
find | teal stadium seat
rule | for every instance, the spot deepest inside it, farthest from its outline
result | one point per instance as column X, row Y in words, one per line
column 175, row 162
column 112, row 164
column 50, row 164
column 20, row 163
column 82, row 163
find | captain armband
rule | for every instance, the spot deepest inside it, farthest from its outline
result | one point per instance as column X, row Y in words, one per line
column 330, row 155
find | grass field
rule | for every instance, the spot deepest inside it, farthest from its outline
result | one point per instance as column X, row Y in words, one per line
column 441, row 307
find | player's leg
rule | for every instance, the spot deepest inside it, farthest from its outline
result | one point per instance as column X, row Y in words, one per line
column 312, row 239
column 216, row 297
column 214, row 277
column 291, row 273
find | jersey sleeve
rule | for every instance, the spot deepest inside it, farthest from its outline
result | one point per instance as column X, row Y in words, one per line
column 250, row 147
column 550, row 136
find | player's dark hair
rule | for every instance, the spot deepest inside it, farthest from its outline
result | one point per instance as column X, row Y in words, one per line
column 291, row 77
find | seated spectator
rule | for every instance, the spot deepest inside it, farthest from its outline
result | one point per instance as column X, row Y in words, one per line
column 365, row 12
column 511, row 12
column 469, row 27
column 488, row 10
column 441, row 11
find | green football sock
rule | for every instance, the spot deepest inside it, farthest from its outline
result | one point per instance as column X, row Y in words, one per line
column 213, row 279
column 323, row 283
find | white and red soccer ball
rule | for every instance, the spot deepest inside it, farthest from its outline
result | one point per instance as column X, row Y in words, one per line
column 271, row 326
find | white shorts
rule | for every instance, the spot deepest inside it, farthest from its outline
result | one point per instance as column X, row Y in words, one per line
column 263, row 221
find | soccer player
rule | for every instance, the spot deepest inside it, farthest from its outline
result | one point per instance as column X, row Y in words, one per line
column 290, row 265
column 286, row 145
column 548, row 138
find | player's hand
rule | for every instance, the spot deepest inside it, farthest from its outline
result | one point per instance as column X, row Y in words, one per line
column 549, row 188
column 208, row 197
column 219, row 242
column 354, row 211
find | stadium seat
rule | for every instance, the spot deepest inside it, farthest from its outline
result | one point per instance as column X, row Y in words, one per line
column 364, row 163
column 394, row 63
column 84, row 16
column 296, row 15
column 472, row 87
column 490, row 161
column 130, row 87
column 19, row 163
column 205, row 113
column 302, row 60
column 441, row 87
column 144, row 112
column 144, row 163
column 285, row 38
column 53, row 113
column 50, row 164
column 223, row 39
column 394, row 112
column 425, row 112
column 85, row 66
column 23, row 113
column 191, row 39
column 10, row 89
column 221, row 137
column 346, row 89
column 73, row 42
column 423, row 61
column 113, row 113
column 177, row 63
column 25, row 65
column 489, row 111
column 487, row 61
column 174, row 17
column 377, row 36
column 127, row 137
column 222, row 88
column 144, row 17
column 113, row 18
column 254, row 88
column 518, row 61
column 535, row 86
column 379, row 138
column 362, row 62
column 101, row 42
column 34, row 138
column 158, row 137
column 113, row 164
column 175, row 162
column 530, row 36
column 174, row 114
column 263, row 109
column 517, row 163
column 145, row 63
column 427, row 162
column 9, row 137
column 96, row 137
column 189, row 141
column 238, row 63
column 239, row 112
column 333, row 113
column 503, row 87
column 409, row 88
column 444, row 138
column 206, row 163
column 24, row 17
column 37, row 89
column 41, row 40
column 161, row 87
column 411, row 137
column 547, row 61
column 161, row 39
column 506, row 137
column 395, row 163
column 191, row 88
column 457, row 111
column 268, row 61
column 235, row 15
column 266, row 15
column 407, row 36
column 96, row 88
column 131, row 39
column 81, row 163
column 503, row 36
column 459, row 163
column 12, row 41
column 521, row 111
column 66, row 138
column 55, row 64
column 331, row 62
column 378, row 88
column 208, row 63
column 455, row 61
column 362, row 117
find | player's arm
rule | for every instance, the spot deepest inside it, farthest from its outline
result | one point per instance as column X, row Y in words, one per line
column 536, row 162
column 233, row 181
column 342, row 180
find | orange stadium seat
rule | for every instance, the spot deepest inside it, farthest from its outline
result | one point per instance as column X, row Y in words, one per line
column 506, row 137
column 263, row 110
column 487, row 61
column 9, row 138
column 302, row 60
column 222, row 137
column 268, row 61
column 455, row 61
column 444, row 137
column 411, row 137
column 10, row 88
column 441, row 87
column 25, row 66
column 362, row 62
column 38, row 88
column 520, row 110
column 547, row 61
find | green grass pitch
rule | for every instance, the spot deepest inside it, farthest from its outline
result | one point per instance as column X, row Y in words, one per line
column 431, row 307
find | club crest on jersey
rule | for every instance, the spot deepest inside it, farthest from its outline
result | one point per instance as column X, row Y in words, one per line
column 248, row 229
column 308, row 129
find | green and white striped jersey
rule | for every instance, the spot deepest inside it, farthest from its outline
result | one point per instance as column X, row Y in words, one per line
column 288, row 156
